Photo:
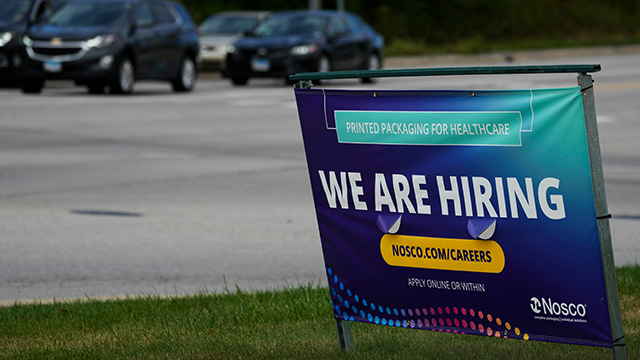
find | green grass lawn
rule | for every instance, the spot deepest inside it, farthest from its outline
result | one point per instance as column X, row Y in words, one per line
column 293, row 323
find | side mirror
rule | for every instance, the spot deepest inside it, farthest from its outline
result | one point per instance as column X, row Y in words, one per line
column 43, row 10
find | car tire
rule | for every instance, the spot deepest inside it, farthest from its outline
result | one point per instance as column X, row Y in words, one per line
column 239, row 81
column 125, row 77
column 373, row 63
column 32, row 86
column 187, row 74
column 324, row 64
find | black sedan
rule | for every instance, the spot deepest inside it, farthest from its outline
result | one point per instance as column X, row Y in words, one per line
column 305, row 41
column 112, row 43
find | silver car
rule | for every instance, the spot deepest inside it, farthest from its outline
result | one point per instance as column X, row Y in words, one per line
column 220, row 30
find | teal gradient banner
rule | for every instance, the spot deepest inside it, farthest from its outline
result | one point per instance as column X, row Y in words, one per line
column 429, row 128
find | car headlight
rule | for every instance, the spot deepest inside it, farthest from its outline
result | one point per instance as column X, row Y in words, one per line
column 27, row 40
column 5, row 37
column 100, row 41
column 231, row 49
column 302, row 50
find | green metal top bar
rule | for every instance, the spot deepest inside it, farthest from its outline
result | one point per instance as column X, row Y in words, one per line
column 484, row 70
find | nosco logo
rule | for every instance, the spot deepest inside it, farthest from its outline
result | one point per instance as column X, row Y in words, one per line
column 549, row 307
column 535, row 305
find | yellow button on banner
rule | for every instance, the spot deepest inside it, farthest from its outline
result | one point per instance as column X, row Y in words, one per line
column 442, row 254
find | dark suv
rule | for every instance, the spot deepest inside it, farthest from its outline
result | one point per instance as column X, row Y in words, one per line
column 15, row 18
column 112, row 43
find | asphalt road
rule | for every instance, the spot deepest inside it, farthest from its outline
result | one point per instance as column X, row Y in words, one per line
column 162, row 193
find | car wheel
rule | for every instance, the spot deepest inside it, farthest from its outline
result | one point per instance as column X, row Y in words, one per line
column 239, row 80
column 125, row 77
column 324, row 65
column 186, row 79
column 373, row 63
column 32, row 86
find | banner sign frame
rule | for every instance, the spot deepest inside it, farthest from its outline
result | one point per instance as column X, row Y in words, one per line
column 451, row 261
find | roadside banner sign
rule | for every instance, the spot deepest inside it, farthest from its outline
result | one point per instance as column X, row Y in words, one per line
column 460, row 211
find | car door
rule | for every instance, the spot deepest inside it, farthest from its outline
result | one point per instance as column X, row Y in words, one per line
column 167, row 30
column 143, row 40
column 348, row 44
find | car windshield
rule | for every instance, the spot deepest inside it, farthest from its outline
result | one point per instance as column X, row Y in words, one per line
column 228, row 25
column 292, row 25
column 91, row 14
column 13, row 11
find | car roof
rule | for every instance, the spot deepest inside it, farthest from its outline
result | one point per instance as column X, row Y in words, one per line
column 102, row 1
column 56, row 3
column 112, row 1
column 308, row 12
column 174, row 3
column 240, row 13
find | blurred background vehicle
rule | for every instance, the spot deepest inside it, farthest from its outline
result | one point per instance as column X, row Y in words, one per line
column 15, row 17
column 220, row 30
column 112, row 43
column 304, row 41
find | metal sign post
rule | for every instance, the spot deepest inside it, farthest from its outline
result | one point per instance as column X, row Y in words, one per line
column 586, row 83
column 547, row 305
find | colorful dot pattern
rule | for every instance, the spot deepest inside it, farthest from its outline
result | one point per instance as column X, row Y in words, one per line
column 348, row 305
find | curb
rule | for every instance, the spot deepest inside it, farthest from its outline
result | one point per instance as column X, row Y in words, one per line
column 62, row 301
column 507, row 56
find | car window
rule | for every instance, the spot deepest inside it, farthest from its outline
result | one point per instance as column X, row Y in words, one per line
column 292, row 25
column 162, row 13
column 144, row 16
column 42, row 10
column 362, row 25
column 90, row 14
column 339, row 26
column 355, row 25
column 228, row 24
column 182, row 14
column 14, row 11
